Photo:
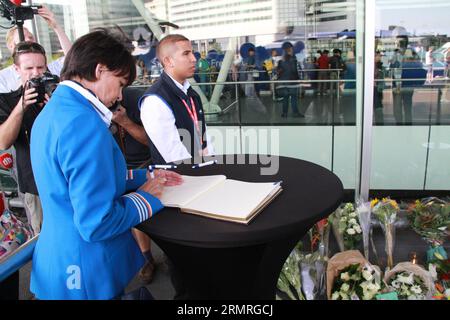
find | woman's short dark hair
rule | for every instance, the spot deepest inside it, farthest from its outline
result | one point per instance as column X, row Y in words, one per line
column 100, row 46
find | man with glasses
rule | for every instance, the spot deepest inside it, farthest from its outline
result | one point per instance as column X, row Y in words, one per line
column 18, row 110
column 9, row 78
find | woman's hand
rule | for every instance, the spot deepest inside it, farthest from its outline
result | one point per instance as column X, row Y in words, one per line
column 163, row 178
column 169, row 178
column 154, row 186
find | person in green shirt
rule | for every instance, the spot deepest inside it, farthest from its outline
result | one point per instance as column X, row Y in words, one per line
column 204, row 74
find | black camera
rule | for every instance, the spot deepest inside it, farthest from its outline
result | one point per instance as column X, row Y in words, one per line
column 17, row 13
column 45, row 84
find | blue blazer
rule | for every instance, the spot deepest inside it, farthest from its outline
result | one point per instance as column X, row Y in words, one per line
column 85, row 249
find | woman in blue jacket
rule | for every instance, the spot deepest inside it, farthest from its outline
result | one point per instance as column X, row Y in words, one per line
column 85, row 249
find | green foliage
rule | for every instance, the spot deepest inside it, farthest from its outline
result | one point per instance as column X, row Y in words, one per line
column 430, row 218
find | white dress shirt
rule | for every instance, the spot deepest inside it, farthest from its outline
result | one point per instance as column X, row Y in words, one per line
column 10, row 79
column 159, row 124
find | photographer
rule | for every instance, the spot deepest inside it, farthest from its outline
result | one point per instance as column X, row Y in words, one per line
column 18, row 110
column 9, row 78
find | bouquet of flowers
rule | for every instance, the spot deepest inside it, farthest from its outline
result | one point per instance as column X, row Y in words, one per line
column 319, row 236
column 313, row 275
column 346, row 227
column 440, row 272
column 385, row 212
column 289, row 280
column 430, row 218
column 349, row 227
column 410, row 281
column 352, row 277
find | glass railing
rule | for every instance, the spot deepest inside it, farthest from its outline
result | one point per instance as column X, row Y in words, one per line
column 407, row 101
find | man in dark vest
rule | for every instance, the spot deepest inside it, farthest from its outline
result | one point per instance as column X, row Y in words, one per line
column 171, row 111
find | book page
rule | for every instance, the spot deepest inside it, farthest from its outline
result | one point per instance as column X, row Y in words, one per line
column 192, row 187
column 232, row 198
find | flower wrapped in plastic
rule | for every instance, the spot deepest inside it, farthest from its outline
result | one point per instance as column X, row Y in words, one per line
column 364, row 215
column 351, row 277
column 385, row 211
column 289, row 280
column 345, row 221
column 430, row 218
column 313, row 267
column 333, row 220
column 410, row 281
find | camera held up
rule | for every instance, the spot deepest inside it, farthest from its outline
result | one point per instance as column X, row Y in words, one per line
column 45, row 84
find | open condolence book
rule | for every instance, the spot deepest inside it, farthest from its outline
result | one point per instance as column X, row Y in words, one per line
column 221, row 198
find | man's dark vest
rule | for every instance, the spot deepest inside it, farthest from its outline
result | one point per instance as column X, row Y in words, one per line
column 173, row 96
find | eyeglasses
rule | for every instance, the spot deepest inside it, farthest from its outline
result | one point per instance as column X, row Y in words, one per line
column 29, row 47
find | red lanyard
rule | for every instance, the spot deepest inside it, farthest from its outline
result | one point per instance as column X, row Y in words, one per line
column 193, row 114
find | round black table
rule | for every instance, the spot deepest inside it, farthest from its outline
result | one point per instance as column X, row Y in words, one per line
column 225, row 260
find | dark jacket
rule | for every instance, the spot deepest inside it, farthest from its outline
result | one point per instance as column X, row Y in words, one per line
column 288, row 68
column 166, row 90
column 8, row 102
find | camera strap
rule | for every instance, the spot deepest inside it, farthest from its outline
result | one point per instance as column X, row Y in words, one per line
column 98, row 106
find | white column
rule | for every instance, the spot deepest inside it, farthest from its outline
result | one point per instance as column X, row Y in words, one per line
column 365, row 62
column 222, row 77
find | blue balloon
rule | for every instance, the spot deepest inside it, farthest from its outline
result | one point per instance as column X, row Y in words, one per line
column 212, row 54
column 262, row 53
column 298, row 47
column 197, row 55
column 244, row 49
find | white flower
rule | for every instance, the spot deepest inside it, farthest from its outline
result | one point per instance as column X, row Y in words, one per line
column 345, row 287
column 373, row 287
column 416, row 289
column 351, row 231
column 409, row 279
column 432, row 270
column 368, row 295
column 352, row 221
column 363, row 285
column 348, row 207
column 395, row 284
column 345, row 276
column 367, row 275
column 443, row 228
column 335, row 296
column 353, row 214
column 344, row 296
column 357, row 229
column 344, row 219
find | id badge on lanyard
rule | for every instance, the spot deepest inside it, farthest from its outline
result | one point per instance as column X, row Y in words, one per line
column 193, row 114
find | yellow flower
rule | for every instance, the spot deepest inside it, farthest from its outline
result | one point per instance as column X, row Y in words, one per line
column 394, row 204
column 373, row 202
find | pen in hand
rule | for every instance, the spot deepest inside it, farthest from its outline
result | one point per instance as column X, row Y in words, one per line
column 163, row 166
column 152, row 174
column 208, row 163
